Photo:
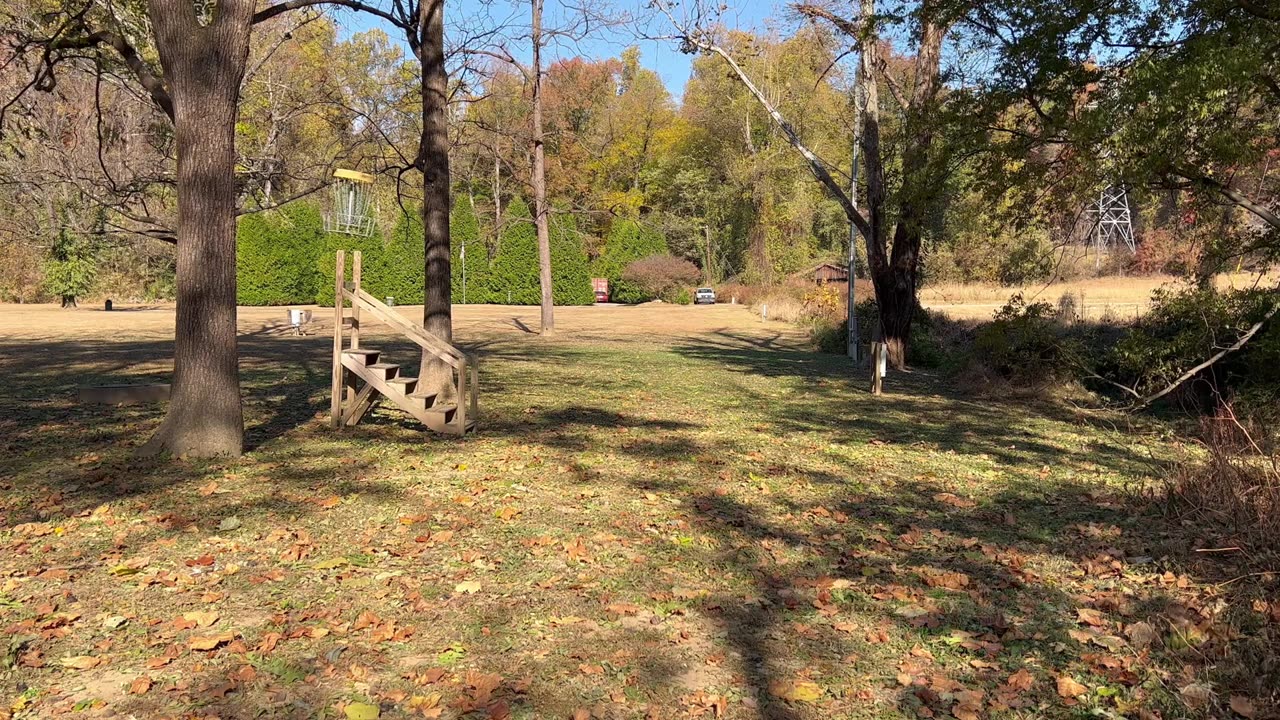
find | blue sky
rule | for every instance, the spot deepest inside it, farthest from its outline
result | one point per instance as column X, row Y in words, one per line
column 663, row 57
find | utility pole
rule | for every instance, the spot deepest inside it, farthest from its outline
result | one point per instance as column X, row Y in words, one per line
column 852, row 320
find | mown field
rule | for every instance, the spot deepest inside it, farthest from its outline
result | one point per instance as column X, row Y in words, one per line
column 668, row 512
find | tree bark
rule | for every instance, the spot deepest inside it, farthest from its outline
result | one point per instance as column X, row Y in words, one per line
column 437, row 310
column 540, row 219
column 204, row 66
column 894, row 271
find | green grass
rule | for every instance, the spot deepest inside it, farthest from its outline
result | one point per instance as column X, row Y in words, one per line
column 723, row 522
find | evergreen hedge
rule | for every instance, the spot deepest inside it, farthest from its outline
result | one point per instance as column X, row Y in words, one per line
column 570, row 275
column 371, row 256
column 285, row 257
column 276, row 254
column 628, row 241
column 513, row 276
column 401, row 268
column 464, row 231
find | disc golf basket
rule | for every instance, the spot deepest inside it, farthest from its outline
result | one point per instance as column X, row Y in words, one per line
column 351, row 209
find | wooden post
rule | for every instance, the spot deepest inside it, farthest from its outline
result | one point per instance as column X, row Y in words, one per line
column 339, row 276
column 879, row 363
column 462, row 398
column 475, row 391
column 355, row 307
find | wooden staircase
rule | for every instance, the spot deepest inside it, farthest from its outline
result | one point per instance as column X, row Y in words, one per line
column 360, row 374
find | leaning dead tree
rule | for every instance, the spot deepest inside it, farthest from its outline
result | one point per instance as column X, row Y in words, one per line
column 893, row 253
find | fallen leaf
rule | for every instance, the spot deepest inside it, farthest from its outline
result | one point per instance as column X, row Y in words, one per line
column 1090, row 617
column 230, row 523
column 1069, row 688
column 467, row 587
column 1021, row 680
column 1141, row 634
column 796, row 691
column 115, row 622
column 140, row 685
column 1243, row 706
column 201, row 618
column 209, row 642
column 954, row 500
column 80, row 662
column 1196, row 695
column 329, row 503
column 361, row 711
column 968, row 705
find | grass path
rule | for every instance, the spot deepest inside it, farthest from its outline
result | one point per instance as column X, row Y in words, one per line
column 671, row 515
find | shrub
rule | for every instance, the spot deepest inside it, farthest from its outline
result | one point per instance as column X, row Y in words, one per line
column 681, row 296
column 21, row 272
column 276, row 256
column 830, row 336
column 1184, row 327
column 823, row 303
column 1235, row 486
column 660, row 276
column 627, row 242
column 1024, row 343
column 1165, row 250
column 70, row 271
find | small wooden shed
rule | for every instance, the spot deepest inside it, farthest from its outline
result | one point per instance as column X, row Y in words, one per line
column 826, row 272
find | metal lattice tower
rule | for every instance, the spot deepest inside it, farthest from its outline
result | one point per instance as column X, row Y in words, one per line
column 1115, row 223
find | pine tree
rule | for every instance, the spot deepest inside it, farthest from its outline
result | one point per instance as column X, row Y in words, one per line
column 276, row 256
column 513, row 277
column 627, row 242
column 570, row 278
column 400, row 270
column 470, row 272
column 72, row 267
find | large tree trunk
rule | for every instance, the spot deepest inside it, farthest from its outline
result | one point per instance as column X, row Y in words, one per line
column 895, row 285
column 540, row 218
column 919, row 187
column 895, row 321
column 437, row 310
column 204, row 65
column 894, row 271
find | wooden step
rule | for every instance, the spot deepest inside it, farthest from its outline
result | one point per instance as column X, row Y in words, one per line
column 423, row 399
column 444, row 411
column 388, row 370
column 444, row 419
column 403, row 383
column 366, row 355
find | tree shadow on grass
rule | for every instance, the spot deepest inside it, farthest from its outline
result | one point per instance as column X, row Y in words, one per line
column 844, row 567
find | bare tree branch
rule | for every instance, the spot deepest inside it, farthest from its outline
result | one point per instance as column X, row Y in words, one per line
column 1241, row 342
